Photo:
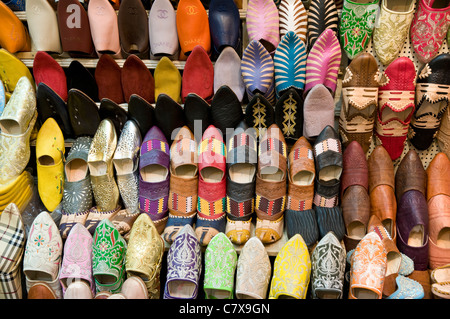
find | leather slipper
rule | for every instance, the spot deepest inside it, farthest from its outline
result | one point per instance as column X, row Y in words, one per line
column 108, row 76
column 259, row 114
column 193, row 26
column 410, row 175
column 137, row 79
column 224, row 23
column 322, row 15
column 226, row 110
column 74, row 28
column 104, row 27
column 47, row 70
column 169, row 116
column 167, row 79
column 263, row 23
column 79, row 77
column 293, row 17
column 133, row 29
column 227, row 71
column 43, row 26
column 290, row 63
column 11, row 25
column 50, row 104
column 198, row 75
column 142, row 112
column 197, row 113
column 162, row 24
column 289, row 114
column 12, row 69
column 110, row 110
column 15, row 5
column 83, row 113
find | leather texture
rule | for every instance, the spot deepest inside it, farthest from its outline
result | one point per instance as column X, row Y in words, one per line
column 224, row 23
column 263, row 23
column 111, row 110
column 197, row 113
column 142, row 112
column 83, row 113
column 169, row 116
column 259, row 114
column 226, row 110
column 289, row 114
column 133, row 28
column 322, row 15
column 410, row 175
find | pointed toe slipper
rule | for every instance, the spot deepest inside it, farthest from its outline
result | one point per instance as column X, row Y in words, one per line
column 162, row 24
column 226, row 110
column 133, row 28
column 289, row 114
column 263, row 23
column 322, row 15
column 83, row 113
column 47, row 70
column 227, row 71
column 293, row 17
column 136, row 78
column 169, row 116
column 259, row 114
column 108, row 75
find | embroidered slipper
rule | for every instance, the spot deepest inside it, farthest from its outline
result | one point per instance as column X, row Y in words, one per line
column 144, row 255
column 241, row 166
column 432, row 100
column 162, row 23
column 317, row 118
column 111, row 110
column 133, row 28
column 356, row 26
column 167, row 79
column 38, row 267
column 253, row 271
column 83, row 113
column 395, row 105
column 293, row 17
column 136, row 78
column 227, row 71
column 322, row 15
column 259, row 114
column 108, row 76
column 12, row 25
column 224, row 23
column 169, row 116
column 142, row 112
column 193, row 26
column 79, row 77
column 291, row 271
column 154, row 177
column 211, row 207
column 271, row 186
column 197, row 113
column 12, row 247
column 257, row 69
column 220, row 266
column 289, row 114
column 42, row 23
column 289, row 63
column 77, row 196
column 183, row 183
column 184, row 266
column 407, row 288
column 355, row 200
column 323, row 62
column 328, row 268
column 300, row 217
column 360, row 99
column 76, row 264
column 109, row 249
column 74, row 29
column 263, row 23
column 429, row 28
column 329, row 160
column 47, row 70
column 198, row 75
column 126, row 163
column 226, row 110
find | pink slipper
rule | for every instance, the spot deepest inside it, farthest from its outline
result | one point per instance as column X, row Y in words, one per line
column 263, row 23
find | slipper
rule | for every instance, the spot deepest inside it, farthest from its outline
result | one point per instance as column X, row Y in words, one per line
column 12, row 25
column 220, row 266
column 290, row 64
column 12, row 247
column 12, row 69
column 184, row 266
column 259, row 114
column 198, row 75
column 41, row 290
column 169, row 116
column 132, row 22
column 136, row 78
column 289, row 114
column 48, row 71
column 263, row 23
column 74, row 28
column 142, row 112
column 108, row 76
column 197, row 113
column 134, row 288
column 322, row 15
column 43, row 26
column 111, row 110
column 15, row 5
column 227, row 71
column 83, row 113
column 224, row 24
column 78, row 290
column 162, row 23
column 167, row 79
column 50, row 104
column 440, row 275
column 293, row 17
column 104, row 27
column 226, row 110
column 79, row 77
column 193, row 26
column 410, row 175
column 145, row 241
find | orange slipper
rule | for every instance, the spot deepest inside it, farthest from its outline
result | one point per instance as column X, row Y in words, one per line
column 14, row 36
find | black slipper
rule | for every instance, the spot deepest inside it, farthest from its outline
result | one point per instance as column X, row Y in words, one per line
column 259, row 114
column 78, row 77
column 83, row 113
column 226, row 109
column 169, row 116
column 197, row 113
column 289, row 114
column 142, row 112
column 113, row 111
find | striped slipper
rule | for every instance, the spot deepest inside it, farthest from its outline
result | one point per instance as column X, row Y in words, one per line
column 322, row 15
column 293, row 17
column 290, row 64
column 257, row 69
column 263, row 23
column 323, row 62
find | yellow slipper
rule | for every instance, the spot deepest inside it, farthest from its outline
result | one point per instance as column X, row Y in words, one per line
column 167, row 79
column 15, row 192
column 11, row 70
column 8, row 187
column 21, row 201
column 50, row 167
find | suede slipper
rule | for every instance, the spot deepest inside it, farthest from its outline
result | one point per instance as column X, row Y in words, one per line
column 78, row 77
column 163, row 33
column 108, row 76
column 227, row 71
column 47, row 70
column 133, row 29
column 136, row 78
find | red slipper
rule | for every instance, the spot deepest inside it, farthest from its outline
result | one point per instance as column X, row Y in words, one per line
column 48, row 71
column 108, row 76
column 137, row 79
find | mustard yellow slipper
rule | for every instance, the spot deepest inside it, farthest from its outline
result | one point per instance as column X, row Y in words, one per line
column 11, row 70
column 22, row 199
column 15, row 192
column 50, row 166
column 167, row 79
column 7, row 188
